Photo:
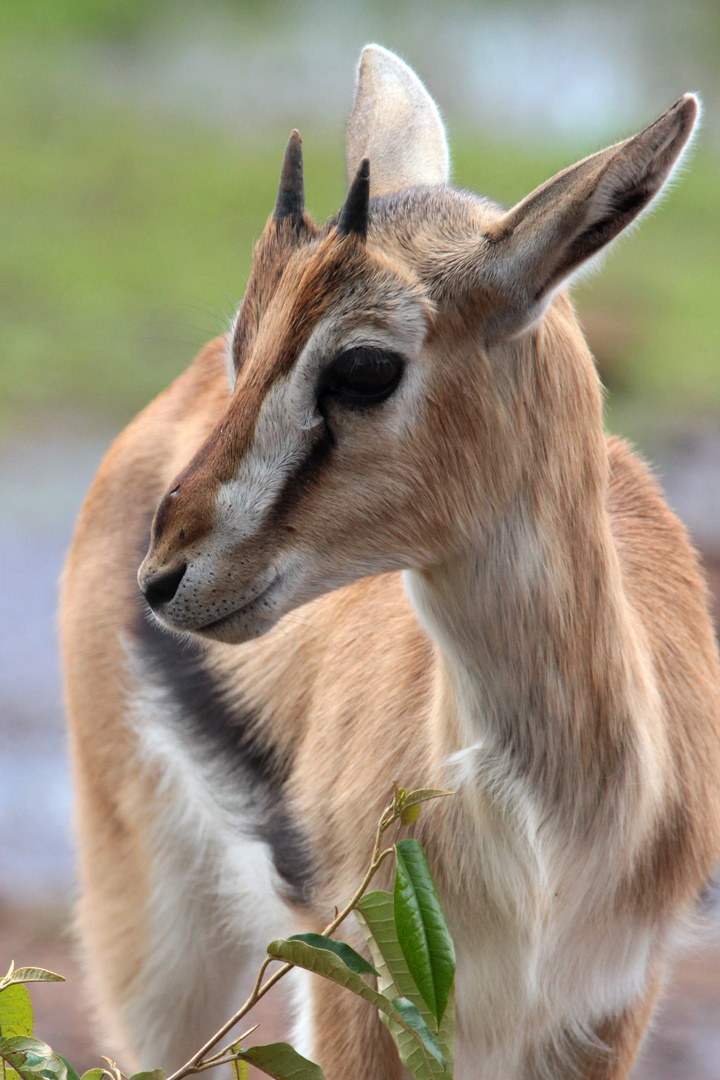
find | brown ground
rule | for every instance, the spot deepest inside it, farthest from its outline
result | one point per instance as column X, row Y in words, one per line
column 684, row 1044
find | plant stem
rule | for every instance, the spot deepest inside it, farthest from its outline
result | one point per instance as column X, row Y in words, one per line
column 374, row 867
column 260, row 991
column 195, row 1064
column 198, row 1062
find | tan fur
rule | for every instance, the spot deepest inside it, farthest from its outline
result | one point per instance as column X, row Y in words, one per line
column 113, row 797
column 546, row 649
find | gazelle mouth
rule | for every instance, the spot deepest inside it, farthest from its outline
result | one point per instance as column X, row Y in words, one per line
column 243, row 609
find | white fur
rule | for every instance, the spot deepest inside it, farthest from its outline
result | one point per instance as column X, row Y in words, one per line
column 545, row 947
column 214, row 903
column 279, row 445
column 303, row 1033
column 227, row 354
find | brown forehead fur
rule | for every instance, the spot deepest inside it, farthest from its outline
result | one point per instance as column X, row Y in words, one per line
column 296, row 277
column 298, row 274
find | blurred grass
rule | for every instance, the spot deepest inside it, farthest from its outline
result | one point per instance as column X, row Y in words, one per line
column 127, row 240
column 118, row 20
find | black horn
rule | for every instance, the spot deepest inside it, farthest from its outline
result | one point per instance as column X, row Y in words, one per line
column 354, row 214
column 291, row 192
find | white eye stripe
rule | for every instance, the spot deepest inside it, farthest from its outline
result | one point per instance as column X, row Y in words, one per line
column 278, row 447
column 286, row 426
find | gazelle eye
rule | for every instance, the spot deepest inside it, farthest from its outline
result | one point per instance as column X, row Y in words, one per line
column 361, row 376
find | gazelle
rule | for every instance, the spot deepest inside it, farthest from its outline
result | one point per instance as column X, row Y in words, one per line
column 389, row 539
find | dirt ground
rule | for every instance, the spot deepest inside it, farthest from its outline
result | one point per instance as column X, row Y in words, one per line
column 684, row 1043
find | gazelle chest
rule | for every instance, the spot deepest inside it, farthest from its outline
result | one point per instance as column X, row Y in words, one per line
column 542, row 956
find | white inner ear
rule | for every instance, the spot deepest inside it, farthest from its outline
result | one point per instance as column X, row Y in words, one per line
column 396, row 124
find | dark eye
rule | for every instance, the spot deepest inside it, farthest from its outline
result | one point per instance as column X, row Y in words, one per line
column 361, row 377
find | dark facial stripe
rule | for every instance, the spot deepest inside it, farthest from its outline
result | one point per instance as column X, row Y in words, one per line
column 293, row 284
column 302, row 477
column 224, row 733
column 274, row 338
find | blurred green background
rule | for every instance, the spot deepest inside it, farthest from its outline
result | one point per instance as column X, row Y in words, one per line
column 140, row 144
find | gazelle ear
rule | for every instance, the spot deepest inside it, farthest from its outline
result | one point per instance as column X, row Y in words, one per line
column 395, row 123
column 567, row 220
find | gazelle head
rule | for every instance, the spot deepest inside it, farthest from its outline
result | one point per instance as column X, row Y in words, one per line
column 393, row 369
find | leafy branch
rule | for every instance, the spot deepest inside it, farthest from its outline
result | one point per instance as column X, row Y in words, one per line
column 408, row 940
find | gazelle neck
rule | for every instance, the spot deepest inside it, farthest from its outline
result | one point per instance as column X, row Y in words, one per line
column 543, row 670
column 538, row 666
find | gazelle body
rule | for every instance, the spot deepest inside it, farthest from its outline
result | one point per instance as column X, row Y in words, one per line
column 396, row 544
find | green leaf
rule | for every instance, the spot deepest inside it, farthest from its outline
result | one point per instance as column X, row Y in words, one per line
column 330, row 966
column 422, row 795
column 32, row 1058
column 34, row 974
column 421, row 928
column 421, row 1066
column 281, row 1061
column 325, row 963
column 93, row 1074
column 411, row 806
column 239, row 1068
column 349, row 957
column 376, row 917
column 149, row 1074
column 410, row 814
column 16, row 1011
column 411, row 1015
column 72, row 1074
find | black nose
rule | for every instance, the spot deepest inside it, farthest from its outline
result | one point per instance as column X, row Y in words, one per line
column 160, row 589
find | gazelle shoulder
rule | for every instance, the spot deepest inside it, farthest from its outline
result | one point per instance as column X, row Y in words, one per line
column 661, row 570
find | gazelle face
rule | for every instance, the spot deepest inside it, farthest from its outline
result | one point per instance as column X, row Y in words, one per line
column 314, row 476
column 391, row 395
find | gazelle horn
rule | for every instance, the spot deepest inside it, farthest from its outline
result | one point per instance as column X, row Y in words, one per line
column 290, row 201
column 354, row 214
